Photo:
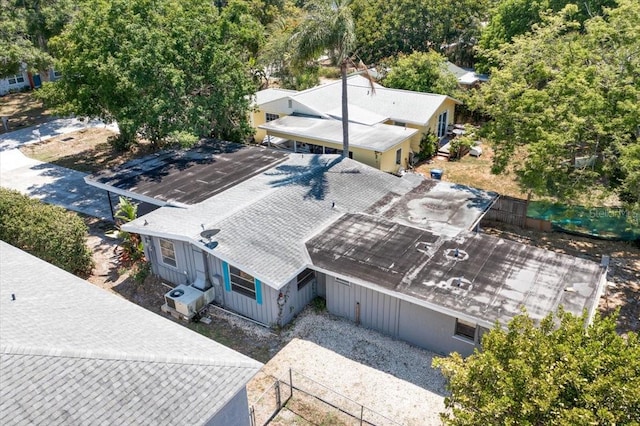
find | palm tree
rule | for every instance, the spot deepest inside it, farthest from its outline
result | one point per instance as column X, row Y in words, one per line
column 328, row 27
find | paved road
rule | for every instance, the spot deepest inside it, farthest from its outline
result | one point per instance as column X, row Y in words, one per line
column 48, row 182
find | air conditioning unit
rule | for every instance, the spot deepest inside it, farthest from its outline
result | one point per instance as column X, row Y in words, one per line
column 185, row 300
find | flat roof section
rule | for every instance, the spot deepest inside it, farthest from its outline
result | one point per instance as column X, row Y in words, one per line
column 441, row 207
column 377, row 137
column 490, row 279
column 187, row 176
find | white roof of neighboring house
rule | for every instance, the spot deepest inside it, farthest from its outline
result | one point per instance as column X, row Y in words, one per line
column 271, row 94
column 265, row 221
column 398, row 105
column 377, row 137
column 465, row 76
column 72, row 353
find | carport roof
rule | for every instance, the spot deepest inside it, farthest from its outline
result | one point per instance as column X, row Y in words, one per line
column 185, row 177
column 490, row 280
column 377, row 137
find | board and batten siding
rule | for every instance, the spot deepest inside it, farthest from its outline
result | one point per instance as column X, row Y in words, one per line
column 393, row 316
column 183, row 273
column 263, row 309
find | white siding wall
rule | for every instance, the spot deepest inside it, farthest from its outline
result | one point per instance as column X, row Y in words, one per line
column 5, row 87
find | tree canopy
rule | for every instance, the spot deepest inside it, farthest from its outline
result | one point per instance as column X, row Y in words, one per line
column 564, row 104
column 421, row 72
column 559, row 372
column 27, row 26
column 156, row 68
column 385, row 28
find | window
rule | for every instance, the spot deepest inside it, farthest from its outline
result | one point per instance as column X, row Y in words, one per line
column 14, row 79
column 57, row 74
column 465, row 330
column 270, row 117
column 399, row 156
column 442, row 124
column 305, row 277
column 399, row 123
column 290, row 103
column 168, row 252
column 242, row 283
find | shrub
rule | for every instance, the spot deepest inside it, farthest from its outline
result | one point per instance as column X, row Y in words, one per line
column 428, row 146
column 49, row 232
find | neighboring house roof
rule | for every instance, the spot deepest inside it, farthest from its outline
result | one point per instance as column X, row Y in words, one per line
column 399, row 105
column 465, row 76
column 265, row 221
column 496, row 277
column 377, row 137
column 271, row 94
column 74, row 353
column 187, row 176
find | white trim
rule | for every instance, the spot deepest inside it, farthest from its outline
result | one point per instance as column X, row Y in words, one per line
column 161, row 256
column 133, row 195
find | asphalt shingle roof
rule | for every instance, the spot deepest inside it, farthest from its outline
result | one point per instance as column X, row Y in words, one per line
column 74, row 353
column 265, row 221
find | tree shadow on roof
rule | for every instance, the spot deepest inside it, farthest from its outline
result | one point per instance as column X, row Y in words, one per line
column 312, row 175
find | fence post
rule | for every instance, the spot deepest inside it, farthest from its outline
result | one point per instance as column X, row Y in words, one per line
column 252, row 416
column 361, row 414
column 278, row 397
column 290, row 381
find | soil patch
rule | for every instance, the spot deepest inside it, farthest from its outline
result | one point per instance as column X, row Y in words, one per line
column 87, row 151
column 23, row 110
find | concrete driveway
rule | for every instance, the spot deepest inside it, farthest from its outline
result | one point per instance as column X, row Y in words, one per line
column 48, row 182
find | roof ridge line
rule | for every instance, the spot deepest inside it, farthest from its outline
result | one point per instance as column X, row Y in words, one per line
column 121, row 356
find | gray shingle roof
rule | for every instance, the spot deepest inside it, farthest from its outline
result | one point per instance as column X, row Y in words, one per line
column 74, row 353
column 265, row 220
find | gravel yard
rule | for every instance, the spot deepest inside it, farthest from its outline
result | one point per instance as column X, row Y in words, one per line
column 387, row 399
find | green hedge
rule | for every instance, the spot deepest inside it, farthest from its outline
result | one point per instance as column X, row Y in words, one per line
column 48, row 232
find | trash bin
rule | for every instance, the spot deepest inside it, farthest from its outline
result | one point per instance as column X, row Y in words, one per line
column 436, row 173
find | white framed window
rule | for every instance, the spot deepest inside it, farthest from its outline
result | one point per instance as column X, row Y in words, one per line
column 168, row 253
column 242, row 283
column 399, row 156
column 270, row 117
column 465, row 330
column 442, row 124
column 57, row 74
column 15, row 79
column 305, row 277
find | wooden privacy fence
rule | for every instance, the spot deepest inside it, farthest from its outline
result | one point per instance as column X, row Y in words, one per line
column 513, row 211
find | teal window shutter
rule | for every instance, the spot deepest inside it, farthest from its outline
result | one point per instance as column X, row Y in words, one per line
column 258, row 291
column 227, row 280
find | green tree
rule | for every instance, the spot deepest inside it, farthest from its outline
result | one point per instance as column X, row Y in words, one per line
column 328, row 27
column 511, row 18
column 421, row 72
column 559, row 373
column 27, row 26
column 385, row 28
column 155, row 67
column 48, row 232
column 565, row 104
